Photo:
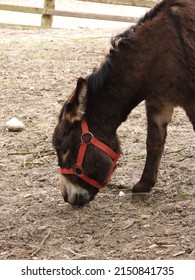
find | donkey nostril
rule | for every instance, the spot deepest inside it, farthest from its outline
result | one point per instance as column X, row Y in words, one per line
column 65, row 197
column 81, row 199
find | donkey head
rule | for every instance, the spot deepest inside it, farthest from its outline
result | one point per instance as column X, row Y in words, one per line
column 86, row 163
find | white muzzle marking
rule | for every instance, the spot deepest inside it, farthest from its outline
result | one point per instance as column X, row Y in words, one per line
column 70, row 190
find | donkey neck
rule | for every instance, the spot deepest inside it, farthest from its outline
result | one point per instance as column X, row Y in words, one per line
column 109, row 104
column 127, row 75
column 108, row 111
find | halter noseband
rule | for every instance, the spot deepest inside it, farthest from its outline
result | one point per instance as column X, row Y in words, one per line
column 87, row 138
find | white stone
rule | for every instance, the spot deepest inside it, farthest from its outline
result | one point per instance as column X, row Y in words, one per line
column 15, row 125
column 121, row 194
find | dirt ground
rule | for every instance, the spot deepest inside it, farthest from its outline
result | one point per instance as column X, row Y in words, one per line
column 38, row 71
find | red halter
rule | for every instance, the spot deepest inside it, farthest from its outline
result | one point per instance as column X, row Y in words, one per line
column 87, row 138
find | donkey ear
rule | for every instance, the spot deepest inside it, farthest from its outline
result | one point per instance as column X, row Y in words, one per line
column 76, row 104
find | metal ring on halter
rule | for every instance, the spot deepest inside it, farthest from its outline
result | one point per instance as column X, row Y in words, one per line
column 86, row 137
column 78, row 170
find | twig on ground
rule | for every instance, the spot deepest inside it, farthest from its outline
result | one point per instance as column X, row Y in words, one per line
column 41, row 245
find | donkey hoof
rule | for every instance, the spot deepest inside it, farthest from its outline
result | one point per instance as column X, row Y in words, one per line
column 141, row 187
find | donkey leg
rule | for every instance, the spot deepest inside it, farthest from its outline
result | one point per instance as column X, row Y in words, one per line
column 190, row 111
column 158, row 117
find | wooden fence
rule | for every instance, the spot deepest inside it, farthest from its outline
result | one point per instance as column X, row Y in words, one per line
column 48, row 11
column 139, row 3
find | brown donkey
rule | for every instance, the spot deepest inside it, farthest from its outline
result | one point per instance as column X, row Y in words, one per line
column 152, row 61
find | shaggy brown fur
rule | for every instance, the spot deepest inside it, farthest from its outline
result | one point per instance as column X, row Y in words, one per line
column 152, row 61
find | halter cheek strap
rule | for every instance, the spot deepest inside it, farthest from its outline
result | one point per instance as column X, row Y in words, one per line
column 87, row 139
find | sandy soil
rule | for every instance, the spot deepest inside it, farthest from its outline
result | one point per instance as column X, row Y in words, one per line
column 38, row 70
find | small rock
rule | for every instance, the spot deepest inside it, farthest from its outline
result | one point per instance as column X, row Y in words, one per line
column 15, row 125
column 121, row 194
column 27, row 195
column 32, row 88
column 146, row 226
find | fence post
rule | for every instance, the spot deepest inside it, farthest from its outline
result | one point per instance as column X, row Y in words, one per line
column 46, row 21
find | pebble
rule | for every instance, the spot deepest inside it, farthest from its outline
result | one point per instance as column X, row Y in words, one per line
column 15, row 125
column 121, row 193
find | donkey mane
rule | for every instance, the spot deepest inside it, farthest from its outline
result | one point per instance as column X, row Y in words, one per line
column 122, row 41
column 156, row 10
column 97, row 79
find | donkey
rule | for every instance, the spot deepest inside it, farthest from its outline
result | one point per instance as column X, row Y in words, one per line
column 152, row 61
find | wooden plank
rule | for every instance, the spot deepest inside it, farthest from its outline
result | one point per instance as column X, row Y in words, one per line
column 48, row 13
column 52, row 12
column 21, row 9
column 139, row 3
column 91, row 16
